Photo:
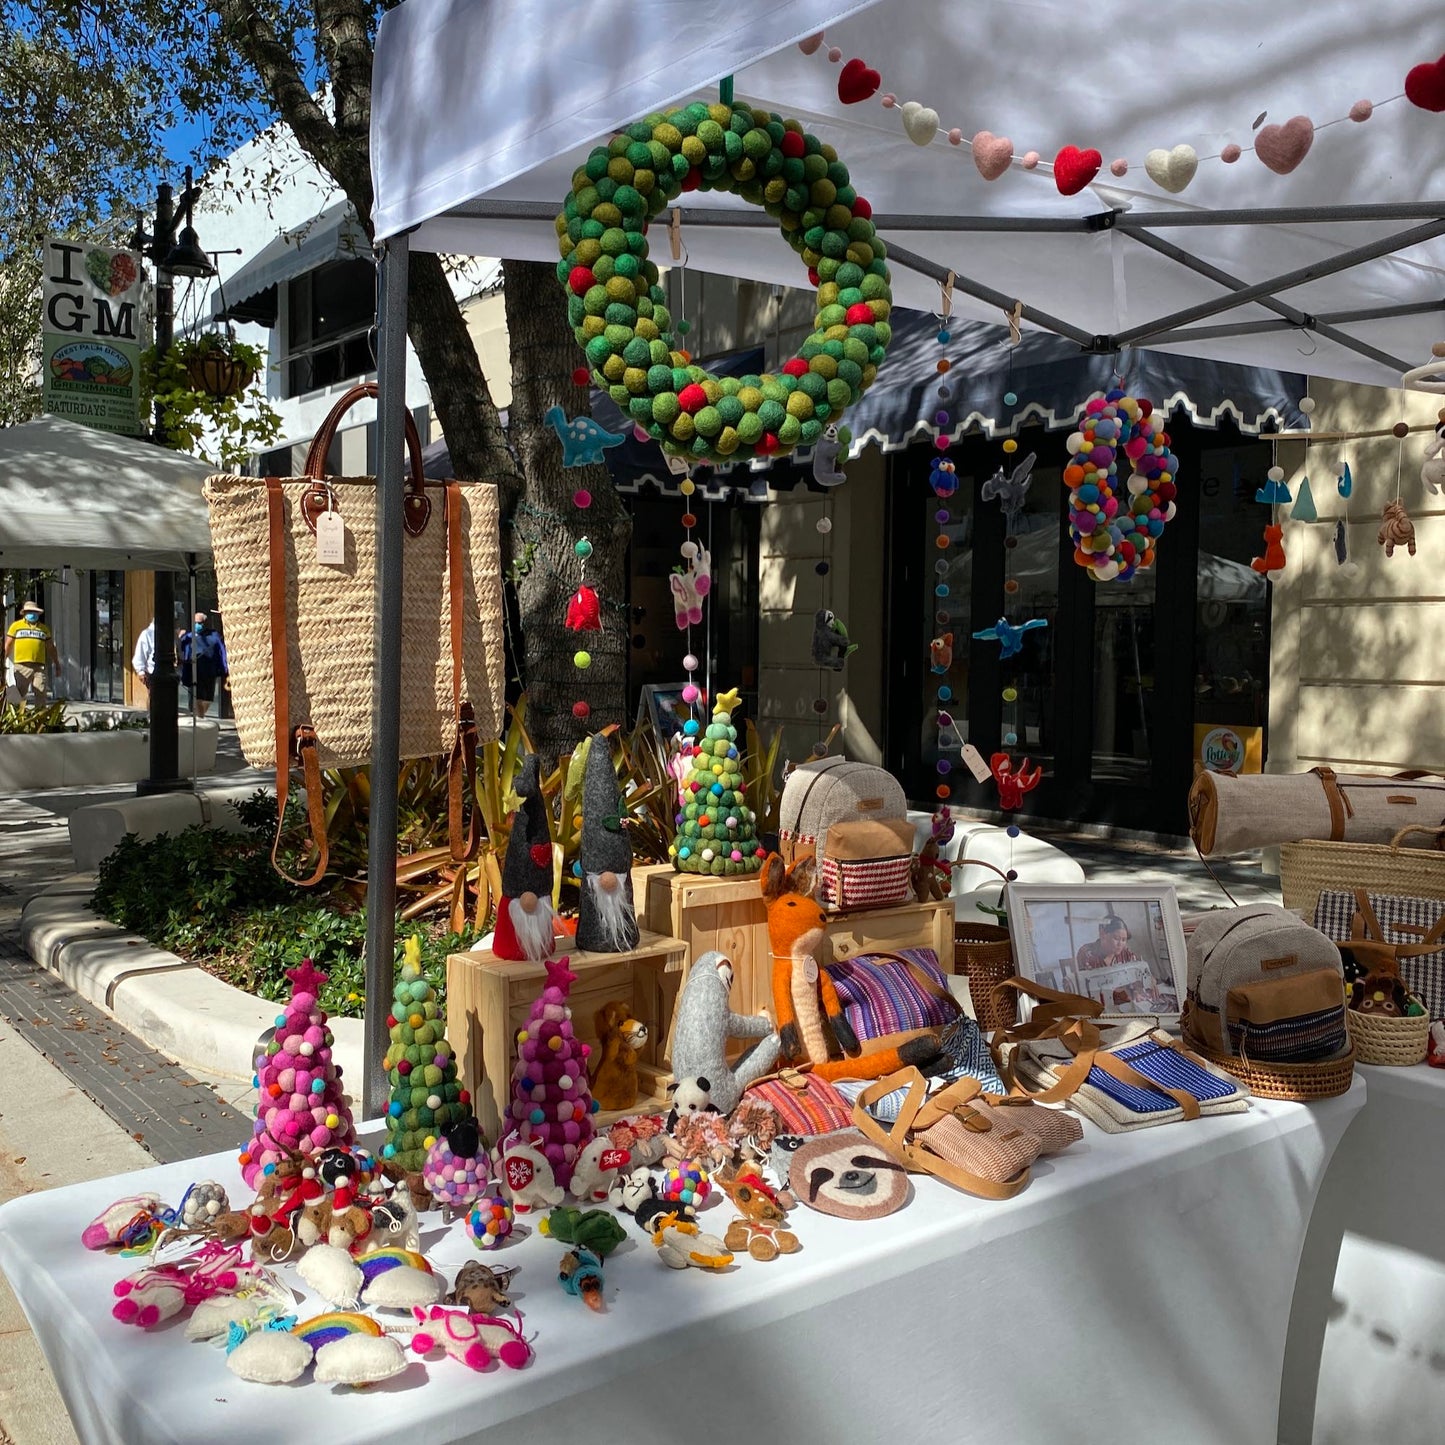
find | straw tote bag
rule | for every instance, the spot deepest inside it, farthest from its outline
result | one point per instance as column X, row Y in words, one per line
column 300, row 632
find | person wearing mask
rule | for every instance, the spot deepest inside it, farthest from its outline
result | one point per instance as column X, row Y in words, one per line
column 203, row 662
column 30, row 649
column 143, row 659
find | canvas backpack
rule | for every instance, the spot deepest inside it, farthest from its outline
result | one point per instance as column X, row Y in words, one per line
column 852, row 818
column 1265, row 986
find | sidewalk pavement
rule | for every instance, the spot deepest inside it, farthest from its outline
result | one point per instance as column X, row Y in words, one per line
column 95, row 1101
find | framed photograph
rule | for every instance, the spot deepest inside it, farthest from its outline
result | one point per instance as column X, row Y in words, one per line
column 1122, row 945
column 663, row 704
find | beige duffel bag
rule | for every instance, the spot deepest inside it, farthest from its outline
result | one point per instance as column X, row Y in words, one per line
column 1229, row 814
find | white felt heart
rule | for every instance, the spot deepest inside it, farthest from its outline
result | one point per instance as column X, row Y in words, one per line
column 920, row 121
column 992, row 154
column 1171, row 170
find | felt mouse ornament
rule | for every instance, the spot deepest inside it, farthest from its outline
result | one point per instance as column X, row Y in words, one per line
column 1396, row 529
column 1274, row 558
column 703, row 1026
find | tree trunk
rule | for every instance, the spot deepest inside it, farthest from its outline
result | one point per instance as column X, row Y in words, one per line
column 546, row 525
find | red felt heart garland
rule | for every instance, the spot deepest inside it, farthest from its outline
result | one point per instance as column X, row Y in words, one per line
column 1074, row 169
column 857, row 81
column 1425, row 85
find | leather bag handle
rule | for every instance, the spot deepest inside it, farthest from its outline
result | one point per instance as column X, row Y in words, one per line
column 320, row 497
column 294, row 746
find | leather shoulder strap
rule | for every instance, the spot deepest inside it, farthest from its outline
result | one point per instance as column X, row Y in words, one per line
column 1339, row 805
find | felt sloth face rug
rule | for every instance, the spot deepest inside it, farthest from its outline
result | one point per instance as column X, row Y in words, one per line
column 847, row 1175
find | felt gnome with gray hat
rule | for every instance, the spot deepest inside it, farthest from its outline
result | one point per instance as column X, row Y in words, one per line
column 608, row 921
column 525, row 917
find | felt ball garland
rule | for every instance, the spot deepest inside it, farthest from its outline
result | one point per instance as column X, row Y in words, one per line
column 1116, row 530
column 617, row 307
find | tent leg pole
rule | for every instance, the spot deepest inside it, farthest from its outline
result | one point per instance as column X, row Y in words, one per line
column 386, row 713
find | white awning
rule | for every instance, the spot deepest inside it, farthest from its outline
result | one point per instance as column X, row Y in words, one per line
column 76, row 496
column 483, row 109
column 250, row 294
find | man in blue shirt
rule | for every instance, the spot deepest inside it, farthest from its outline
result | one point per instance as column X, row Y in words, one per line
column 203, row 661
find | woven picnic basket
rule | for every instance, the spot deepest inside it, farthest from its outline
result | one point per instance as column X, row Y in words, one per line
column 1308, row 869
column 1300, row 1083
column 983, row 953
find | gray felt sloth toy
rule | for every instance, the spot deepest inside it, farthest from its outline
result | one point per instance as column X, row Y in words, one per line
column 831, row 647
column 705, row 1023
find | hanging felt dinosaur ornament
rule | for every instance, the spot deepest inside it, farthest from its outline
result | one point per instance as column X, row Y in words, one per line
column 1013, row 782
column 583, row 441
column 584, row 611
column 1273, row 559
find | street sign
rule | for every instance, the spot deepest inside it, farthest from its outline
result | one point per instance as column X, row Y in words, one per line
column 91, row 322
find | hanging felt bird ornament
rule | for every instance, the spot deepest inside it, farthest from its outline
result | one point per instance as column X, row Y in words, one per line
column 1396, row 529
column 584, row 611
column 940, row 653
column 1009, row 637
column 1012, row 491
column 1273, row 559
column 1013, row 782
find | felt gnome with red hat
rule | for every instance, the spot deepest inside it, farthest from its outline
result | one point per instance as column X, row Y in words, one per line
column 525, row 919
column 608, row 921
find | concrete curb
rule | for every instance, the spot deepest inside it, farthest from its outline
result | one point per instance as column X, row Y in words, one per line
column 174, row 1006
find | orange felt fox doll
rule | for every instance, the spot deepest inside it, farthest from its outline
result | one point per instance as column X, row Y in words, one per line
column 811, row 1024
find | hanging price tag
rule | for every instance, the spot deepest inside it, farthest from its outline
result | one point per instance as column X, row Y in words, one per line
column 973, row 761
column 331, row 540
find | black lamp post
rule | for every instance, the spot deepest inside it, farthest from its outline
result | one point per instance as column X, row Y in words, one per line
column 173, row 254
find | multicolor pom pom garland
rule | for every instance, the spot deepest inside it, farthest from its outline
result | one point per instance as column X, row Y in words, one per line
column 617, row 307
column 1115, row 535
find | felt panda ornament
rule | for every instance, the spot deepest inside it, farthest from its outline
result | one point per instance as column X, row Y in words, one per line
column 691, row 1095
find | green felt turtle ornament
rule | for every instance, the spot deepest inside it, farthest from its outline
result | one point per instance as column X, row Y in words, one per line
column 594, row 1229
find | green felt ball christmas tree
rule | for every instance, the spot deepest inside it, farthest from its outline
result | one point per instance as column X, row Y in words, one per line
column 426, row 1096
column 717, row 831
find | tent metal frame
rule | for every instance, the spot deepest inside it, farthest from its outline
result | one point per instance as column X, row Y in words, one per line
column 1177, row 329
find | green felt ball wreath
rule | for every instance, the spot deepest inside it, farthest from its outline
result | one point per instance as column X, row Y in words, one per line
column 617, row 307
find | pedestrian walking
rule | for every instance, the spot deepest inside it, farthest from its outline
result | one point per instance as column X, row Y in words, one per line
column 31, row 651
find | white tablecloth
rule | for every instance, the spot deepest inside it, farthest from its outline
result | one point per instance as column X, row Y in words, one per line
column 1142, row 1283
column 1366, row 1358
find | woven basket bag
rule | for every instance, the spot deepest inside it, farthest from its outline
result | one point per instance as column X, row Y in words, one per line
column 1308, row 869
column 1399, row 1042
column 300, row 633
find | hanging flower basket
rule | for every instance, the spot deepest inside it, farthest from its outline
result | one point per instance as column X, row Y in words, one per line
column 219, row 375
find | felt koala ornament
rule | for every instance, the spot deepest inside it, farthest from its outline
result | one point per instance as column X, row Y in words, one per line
column 703, row 1025
column 596, row 1164
column 613, row 1077
column 831, row 647
column 475, row 1341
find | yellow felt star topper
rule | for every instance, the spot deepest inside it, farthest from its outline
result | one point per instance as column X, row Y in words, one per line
column 726, row 701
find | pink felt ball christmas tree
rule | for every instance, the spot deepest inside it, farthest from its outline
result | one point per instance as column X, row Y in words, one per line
column 301, row 1108
column 552, row 1106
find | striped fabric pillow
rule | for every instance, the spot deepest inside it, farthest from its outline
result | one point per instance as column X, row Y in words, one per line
column 881, row 997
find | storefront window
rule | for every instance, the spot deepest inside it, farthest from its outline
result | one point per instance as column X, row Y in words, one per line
column 1126, row 723
column 108, row 658
column 1031, row 560
column 947, row 622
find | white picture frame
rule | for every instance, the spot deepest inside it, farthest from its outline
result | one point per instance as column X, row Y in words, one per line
column 1062, row 939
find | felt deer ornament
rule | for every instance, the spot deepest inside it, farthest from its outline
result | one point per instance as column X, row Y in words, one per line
column 811, row 1024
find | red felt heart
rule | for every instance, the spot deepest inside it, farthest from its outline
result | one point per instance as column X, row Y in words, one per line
column 541, row 854
column 1074, row 169
column 1283, row 147
column 1425, row 85
column 857, row 82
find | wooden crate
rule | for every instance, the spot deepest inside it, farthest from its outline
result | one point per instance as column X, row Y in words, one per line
column 728, row 915
column 488, row 999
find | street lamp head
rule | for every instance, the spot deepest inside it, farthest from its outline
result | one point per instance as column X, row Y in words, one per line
column 186, row 257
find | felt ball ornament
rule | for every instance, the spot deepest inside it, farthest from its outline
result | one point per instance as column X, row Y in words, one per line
column 687, row 1184
column 618, row 311
column 489, row 1222
column 1115, row 528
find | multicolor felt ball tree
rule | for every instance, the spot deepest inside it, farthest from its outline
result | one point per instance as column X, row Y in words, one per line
column 552, row 1107
column 717, row 831
column 300, row 1105
column 1115, row 530
column 615, row 301
column 426, row 1096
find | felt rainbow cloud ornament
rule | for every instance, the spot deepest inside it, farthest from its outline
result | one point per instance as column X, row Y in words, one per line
column 346, row 1348
column 398, row 1279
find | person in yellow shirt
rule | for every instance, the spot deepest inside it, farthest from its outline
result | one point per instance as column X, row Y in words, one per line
column 31, row 649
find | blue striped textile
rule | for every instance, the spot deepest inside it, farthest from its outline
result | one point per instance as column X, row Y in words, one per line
column 1165, row 1066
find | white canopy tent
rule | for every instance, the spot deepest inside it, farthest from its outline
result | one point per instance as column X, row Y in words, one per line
column 482, row 110
column 74, row 495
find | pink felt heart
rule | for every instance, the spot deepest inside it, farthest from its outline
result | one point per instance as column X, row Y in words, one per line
column 992, row 154
column 857, row 81
column 809, row 45
column 1074, row 169
column 1283, row 147
column 1425, row 85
